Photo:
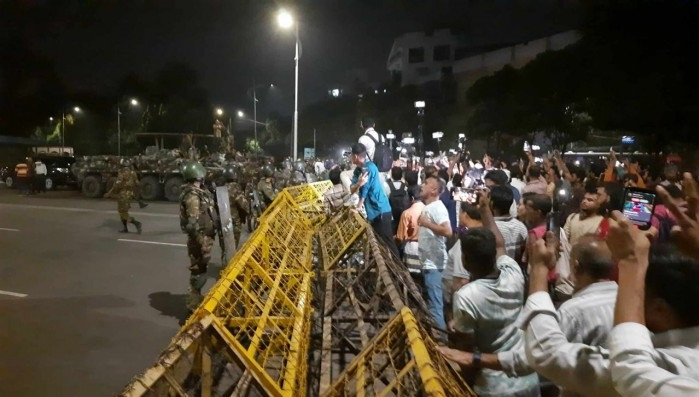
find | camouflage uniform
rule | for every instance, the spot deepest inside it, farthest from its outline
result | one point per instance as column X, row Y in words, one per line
column 266, row 189
column 126, row 188
column 197, row 220
column 238, row 203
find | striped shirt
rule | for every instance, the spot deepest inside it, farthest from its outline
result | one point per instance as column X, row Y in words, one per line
column 515, row 235
column 588, row 317
column 567, row 346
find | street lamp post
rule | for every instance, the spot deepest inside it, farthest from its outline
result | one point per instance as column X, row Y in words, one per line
column 132, row 102
column 286, row 21
column 76, row 109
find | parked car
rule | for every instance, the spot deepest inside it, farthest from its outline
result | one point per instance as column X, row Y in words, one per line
column 58, row 172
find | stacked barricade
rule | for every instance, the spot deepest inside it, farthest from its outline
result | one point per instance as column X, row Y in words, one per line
column 364, row 287
column 251, row 334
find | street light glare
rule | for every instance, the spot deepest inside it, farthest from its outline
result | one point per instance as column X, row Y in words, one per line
column 285, row 19
column 50, row 118
column 134, row 102
column 76, row 109
column 219, row 111
column 241, row 114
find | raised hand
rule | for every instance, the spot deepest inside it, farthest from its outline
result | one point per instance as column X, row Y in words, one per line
column 686, row 233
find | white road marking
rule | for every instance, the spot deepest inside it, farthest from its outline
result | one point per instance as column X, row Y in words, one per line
column 8, row 229
column 15, row 294
column 70, row 209
column 150, row 242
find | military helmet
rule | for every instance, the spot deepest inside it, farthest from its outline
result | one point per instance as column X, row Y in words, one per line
column 230, row 173
column 125, row 163
column 268, row 171
column 287, row 164
column 329, row 164
column 193, row 170
column 300, row 166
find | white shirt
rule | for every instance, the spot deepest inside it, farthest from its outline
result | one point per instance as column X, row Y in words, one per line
column 40, row 168
column 515, row 235
column 575, row 367
column 455, row 266
column 370, row 145
column 518, row 184
column 586, row 318
column 488, row 309
column 667, row 365
column 433, row 248
column 396, row 185
column 346, row 178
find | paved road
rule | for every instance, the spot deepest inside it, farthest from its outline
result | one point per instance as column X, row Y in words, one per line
column 98, row 309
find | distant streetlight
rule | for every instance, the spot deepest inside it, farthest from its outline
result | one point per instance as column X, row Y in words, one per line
column 241, row 114
column 132, row 102
column 50, row 118
column 76, row 109
column 286, row 21
column 219, row 112
column 254, row 102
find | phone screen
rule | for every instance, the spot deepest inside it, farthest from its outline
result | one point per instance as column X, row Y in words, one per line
column 639, row 205
column 466, row 195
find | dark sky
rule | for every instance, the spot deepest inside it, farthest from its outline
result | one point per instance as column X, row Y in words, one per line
column 92, row 44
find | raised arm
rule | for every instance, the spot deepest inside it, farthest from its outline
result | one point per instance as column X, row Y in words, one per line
column 489, row 222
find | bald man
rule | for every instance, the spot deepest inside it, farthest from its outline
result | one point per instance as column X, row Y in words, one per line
column 561, row 345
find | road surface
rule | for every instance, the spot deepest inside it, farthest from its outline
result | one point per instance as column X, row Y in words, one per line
column 84, row 308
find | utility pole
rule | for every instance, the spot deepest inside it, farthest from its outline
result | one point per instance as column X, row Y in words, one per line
column 118, row 131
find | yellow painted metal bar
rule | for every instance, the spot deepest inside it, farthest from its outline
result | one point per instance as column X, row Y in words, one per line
column 295, row 355
column 261, row 376
column 430, row 378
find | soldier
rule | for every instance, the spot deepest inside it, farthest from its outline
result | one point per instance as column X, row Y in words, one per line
column 126, row 188
column 197, row 220
column 266, row 185
column 237, row 199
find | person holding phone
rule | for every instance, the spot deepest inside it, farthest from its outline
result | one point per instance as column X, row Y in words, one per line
column 367, row 183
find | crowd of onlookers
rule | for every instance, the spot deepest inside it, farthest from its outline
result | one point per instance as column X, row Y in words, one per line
column 540, row 284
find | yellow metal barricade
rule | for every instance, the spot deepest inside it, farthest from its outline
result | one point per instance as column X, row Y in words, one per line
column 401, row 361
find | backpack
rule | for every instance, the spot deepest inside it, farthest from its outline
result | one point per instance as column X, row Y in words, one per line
column 383, row 158
column 398, row 199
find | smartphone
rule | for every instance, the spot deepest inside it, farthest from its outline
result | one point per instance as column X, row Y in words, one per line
column 639, row 206
column 553, row 223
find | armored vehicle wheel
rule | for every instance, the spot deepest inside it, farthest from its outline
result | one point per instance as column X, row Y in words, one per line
column 92, row 186
column 150, row 188
column 173, row 188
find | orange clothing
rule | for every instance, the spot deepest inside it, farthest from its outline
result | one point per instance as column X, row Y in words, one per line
column 408, row 228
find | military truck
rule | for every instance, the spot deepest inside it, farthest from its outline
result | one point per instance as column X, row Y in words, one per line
column 158, row 171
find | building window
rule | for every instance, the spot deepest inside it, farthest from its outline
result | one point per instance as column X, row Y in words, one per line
column 460, row 53
column 423, row 71
column 416, row 55
column 442, row 53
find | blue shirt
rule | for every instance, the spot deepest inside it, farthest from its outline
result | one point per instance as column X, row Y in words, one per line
column 448, row 200
column 375, row 200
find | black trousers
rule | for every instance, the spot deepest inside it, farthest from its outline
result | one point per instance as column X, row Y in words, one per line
column 383, row 228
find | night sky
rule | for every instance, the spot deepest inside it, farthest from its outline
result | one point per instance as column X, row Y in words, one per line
column 92, row 44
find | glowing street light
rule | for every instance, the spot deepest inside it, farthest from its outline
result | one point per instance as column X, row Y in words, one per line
column 50, row 118
column 219, row 112
column 77, row 109
column 241, row 114
column 132, row 102
column 287, row 21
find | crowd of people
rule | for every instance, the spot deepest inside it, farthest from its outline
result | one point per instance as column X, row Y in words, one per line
column 540, row 284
